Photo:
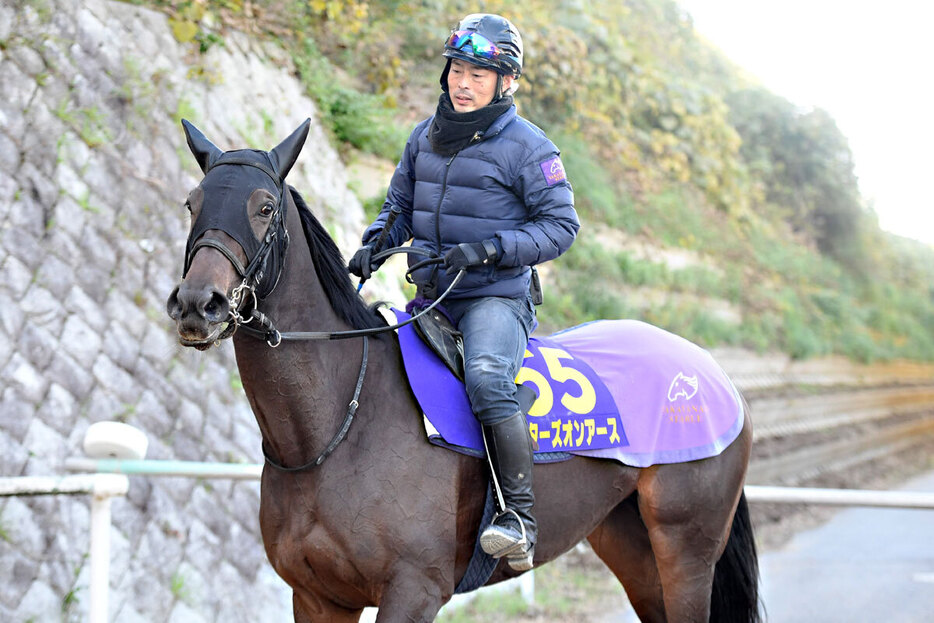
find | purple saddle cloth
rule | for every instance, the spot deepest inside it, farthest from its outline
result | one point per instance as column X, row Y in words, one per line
column 615, row 389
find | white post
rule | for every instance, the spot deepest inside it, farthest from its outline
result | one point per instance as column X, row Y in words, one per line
column 118, row 441
column 100, row 559
column 105, row 487
column 527, row 587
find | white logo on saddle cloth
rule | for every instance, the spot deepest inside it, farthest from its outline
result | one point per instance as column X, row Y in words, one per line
column 682, row 386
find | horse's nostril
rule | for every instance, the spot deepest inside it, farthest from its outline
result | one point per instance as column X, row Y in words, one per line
column 216, row 308
column 172, row 307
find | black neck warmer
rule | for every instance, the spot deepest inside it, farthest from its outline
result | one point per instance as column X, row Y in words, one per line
column 451, row 131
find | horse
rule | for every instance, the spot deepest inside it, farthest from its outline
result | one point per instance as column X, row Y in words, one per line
column 373, row 514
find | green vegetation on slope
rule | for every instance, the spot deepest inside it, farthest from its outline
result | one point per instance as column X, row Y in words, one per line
column 667, row 145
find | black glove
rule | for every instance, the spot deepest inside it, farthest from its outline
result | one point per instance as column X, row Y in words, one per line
column 360, row 264
column 468, row 254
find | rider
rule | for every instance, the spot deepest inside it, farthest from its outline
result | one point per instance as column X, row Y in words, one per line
column 484, row 189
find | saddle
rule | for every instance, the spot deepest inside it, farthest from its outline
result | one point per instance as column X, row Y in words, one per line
column 439, row 333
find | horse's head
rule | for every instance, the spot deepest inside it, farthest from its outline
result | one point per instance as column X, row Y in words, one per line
column 237, row 241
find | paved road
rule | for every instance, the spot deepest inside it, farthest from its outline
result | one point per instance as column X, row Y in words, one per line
column 866, row 565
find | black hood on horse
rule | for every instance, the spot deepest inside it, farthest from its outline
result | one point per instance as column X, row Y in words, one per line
column 231, row 179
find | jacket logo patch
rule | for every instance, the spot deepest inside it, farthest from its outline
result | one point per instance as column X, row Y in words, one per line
column 553, row 170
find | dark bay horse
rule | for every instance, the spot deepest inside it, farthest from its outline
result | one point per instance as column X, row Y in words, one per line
column 387, row 519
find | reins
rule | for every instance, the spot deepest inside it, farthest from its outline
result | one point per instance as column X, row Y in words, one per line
column 274, row 337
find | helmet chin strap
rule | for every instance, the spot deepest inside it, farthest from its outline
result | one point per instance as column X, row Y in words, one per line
column 499, row 88
column 444, row 76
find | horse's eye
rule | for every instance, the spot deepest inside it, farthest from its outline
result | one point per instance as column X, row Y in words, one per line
column 188, row 206
column 267, row 209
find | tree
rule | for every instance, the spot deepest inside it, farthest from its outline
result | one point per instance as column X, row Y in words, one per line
column 806, row 166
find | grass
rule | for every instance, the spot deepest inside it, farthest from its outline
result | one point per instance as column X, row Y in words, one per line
column 85, row 202
column 70, row 599
column 88, row 122
column 596, row 195
column 359, row 119
column 5, row 531
column 179, row 588
column 487, row 608
column 183, row 110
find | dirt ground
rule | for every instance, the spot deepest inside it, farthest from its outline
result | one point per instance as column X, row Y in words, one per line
column 577, row 587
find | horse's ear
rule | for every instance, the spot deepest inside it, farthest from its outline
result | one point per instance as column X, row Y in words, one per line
column 206, row 152
column 286, row 152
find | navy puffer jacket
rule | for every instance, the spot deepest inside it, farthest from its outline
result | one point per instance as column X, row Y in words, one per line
column 509, row 185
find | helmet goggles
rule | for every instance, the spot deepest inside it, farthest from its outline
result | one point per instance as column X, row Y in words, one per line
column 480, row 45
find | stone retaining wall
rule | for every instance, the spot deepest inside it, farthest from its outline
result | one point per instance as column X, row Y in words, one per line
column 93, row 174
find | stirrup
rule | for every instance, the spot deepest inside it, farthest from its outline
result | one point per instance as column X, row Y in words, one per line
column 498, row 541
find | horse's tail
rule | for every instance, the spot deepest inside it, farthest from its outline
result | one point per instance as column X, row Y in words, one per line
column 735, row 597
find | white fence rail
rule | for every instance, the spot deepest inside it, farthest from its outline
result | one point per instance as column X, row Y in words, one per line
column 840, row 497
column 754, row 493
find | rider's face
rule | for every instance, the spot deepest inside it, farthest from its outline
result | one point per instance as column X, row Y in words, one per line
column 472, row 87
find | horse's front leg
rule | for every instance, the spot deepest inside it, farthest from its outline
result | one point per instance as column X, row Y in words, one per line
column 411, row 599
column 309, row 608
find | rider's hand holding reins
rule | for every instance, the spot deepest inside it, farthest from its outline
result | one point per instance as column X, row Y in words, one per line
column 361, row 263
column 468, row 254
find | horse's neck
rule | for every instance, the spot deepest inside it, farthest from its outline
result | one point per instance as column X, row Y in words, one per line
column 300, row 390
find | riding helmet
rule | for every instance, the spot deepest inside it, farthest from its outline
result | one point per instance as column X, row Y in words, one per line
column 497, row 30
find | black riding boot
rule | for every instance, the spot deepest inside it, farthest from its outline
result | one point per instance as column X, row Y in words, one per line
column 513, row 531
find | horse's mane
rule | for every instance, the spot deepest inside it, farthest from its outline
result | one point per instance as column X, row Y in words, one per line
column 332, row 272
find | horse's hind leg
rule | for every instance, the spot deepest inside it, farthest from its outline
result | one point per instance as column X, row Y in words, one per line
column 622, row 542
column 687, row 509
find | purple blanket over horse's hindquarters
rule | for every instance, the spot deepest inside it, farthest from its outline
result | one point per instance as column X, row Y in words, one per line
column 616, row 389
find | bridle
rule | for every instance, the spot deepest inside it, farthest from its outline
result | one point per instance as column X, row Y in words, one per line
column 244, row 298
column 253, row 285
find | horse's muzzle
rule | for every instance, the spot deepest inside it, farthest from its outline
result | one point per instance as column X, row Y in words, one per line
column 199, row 313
